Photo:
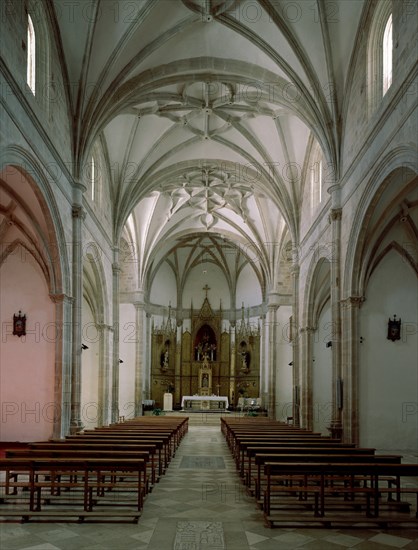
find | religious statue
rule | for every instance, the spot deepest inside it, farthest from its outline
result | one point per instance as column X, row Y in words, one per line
column 245, row 360
column 205, row 380
column 164, row 360
column 205, row 349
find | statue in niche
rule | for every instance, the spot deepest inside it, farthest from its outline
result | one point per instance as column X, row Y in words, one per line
column 205, row 348
column 245, row 358
column 164, row 362
column 205, row 380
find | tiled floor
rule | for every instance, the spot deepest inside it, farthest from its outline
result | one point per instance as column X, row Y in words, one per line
column 199, row 504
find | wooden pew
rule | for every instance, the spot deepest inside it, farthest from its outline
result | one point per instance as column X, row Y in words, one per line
column 149, row 434
column 87, row 454
column 106, row 460
column 261, row 451
column 242, row 453
column 150, row 449
column 162, row 444
column 262, row 439
column 317, row 477
column 347, row 455
column 88, row 477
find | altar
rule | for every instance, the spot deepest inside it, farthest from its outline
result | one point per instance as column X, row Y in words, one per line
column 204, row 403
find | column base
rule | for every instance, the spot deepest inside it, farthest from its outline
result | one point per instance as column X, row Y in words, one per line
column 336, row 429
column 75, row 427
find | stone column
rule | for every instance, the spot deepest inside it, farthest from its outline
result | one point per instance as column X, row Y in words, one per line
column 272, row 306
column 146, row 389
column 232, row 380
column 335, row 220
column 116, row 270
column 263, row 364
column 297, row 399
column 177, row 365
column 62, row 392
column 350, row 365
column 139, row 351
column 105, row 358
column 78, row 215
column 306, row 379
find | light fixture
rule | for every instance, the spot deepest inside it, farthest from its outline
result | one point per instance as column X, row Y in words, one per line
column 83, row 346
column 19, row 324
column 120, row 361
column 291, row 364
column 328, row 344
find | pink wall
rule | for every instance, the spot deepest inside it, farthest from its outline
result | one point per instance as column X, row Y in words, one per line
column 26, row 363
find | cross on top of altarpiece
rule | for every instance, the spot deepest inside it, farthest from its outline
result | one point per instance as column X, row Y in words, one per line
column 206, row 288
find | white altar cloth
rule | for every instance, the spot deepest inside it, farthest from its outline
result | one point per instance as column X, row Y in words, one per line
column 186, row 400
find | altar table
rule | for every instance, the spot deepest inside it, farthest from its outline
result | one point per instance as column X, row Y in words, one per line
column 204, row 402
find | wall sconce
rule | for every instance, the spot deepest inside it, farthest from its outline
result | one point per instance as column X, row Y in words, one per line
column 328, row 344
column 291, row 364
column 83, row 346
column 394, row 329
column 120, row 361
column 19, row 324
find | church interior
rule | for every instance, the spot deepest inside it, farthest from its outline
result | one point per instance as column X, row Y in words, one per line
column 209, row 210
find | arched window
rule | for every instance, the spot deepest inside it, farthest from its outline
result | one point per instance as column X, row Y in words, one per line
column 93, row 179
column 379, row 54
column 387, row 56
column 38, row 75
column 316, row 176
column 31, row 59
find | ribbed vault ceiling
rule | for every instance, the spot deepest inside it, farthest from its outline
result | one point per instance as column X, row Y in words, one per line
column 206, row 110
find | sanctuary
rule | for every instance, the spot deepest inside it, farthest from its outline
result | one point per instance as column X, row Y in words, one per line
column 205, row 365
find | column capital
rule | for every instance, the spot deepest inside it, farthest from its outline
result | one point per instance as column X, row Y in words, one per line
column 116, row 268
column 78, row 212
column 353, row 301
column 335, row 215
column 307, row 329
column 295, row 270
column 139, row 297
column 273, row 300
column 61, row 298
column 104, row 326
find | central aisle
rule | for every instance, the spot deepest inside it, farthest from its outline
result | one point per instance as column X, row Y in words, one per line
column 200, row 502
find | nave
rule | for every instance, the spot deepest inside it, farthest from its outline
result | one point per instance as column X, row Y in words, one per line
column 200, row 498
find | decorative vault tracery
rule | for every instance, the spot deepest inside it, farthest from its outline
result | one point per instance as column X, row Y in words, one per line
column 208, row 190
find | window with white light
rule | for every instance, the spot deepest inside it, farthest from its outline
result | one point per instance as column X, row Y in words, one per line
column 316, row 176
column 31, row 59
column 93, row 178
column 379, row 55
column 387, row 56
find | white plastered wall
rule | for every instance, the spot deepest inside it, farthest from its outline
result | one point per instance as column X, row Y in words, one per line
column 388, row 371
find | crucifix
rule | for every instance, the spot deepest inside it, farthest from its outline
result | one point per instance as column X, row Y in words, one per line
column 206, row 288
column 218, row 386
